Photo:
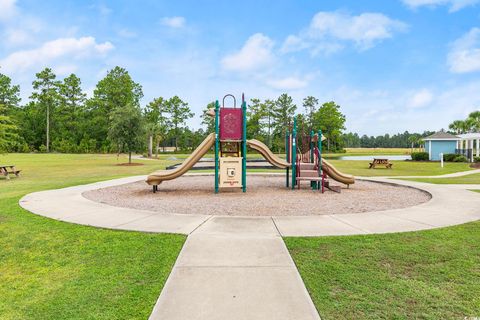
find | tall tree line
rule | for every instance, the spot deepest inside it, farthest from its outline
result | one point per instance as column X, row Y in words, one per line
column 400, row 140
column 59, row 117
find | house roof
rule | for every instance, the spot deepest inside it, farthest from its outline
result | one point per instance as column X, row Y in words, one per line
column 441, row 135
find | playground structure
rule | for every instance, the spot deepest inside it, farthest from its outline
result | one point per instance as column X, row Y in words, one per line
column 230, row 143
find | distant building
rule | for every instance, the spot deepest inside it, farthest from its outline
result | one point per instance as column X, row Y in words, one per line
column 440, row 142
column 468, row 145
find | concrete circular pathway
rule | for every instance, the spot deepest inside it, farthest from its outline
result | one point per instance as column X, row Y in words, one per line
column 239, row 267
column 450, row 205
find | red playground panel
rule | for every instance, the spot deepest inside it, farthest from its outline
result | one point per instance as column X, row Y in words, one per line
column 231, row 124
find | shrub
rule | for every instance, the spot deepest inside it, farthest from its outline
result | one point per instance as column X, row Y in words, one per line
column 449, row 157
column 460, row 158
column 476, row 159
column 42, row 148
column 420, row 156
column 87, row 145
column 64, row 146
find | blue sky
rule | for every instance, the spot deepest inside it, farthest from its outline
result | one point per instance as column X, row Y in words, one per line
column 392, row 65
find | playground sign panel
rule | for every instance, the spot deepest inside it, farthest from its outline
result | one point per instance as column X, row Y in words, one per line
column 230, row 172
column 230, row 124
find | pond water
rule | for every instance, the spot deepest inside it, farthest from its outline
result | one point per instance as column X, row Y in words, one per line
column 370, row 158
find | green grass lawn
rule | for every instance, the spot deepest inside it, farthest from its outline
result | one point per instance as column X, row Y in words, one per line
column 468, row 179
column 400, row 168
column 55, row 270
column 419, row 275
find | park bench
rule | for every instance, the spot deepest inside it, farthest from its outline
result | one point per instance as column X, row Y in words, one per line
column 7, row 170
column 381, row 162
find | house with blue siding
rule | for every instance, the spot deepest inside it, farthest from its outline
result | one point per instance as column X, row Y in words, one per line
column 440, row 143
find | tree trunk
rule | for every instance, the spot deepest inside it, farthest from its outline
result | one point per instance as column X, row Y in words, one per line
column 150, row 146
column 129, row 157
column 176, row 136
column 48, row 129
column 157, row 147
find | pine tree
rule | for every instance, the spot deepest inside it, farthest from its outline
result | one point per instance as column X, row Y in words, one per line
column 179, row 112
column 157, row 123
column 116, row 90
column 45, row 97
column 310, row 105
column 283, row 112
column 126, row 129
column 70, row 114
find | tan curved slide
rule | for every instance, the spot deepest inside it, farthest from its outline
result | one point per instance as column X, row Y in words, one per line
column 336, row 175
column 330, row 170
column 268, row 154
column 157, row 177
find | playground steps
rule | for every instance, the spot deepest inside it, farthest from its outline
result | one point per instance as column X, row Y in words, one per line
column 307, row 166
column 308, row 172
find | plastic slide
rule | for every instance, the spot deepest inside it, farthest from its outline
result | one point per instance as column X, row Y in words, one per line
column 329, row 169
column 268, row 154
column 336, row 175
column 157, row 177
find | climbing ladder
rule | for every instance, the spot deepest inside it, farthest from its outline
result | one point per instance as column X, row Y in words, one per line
column 308, row 169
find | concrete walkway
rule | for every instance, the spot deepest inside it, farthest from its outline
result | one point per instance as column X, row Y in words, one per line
column 239, row 267
column 235, row 269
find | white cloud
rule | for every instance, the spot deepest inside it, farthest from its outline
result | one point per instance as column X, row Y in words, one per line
column 24, row 30
column 364, row 30
column 454, row 5
column 125, row 33
column 465, row 53
column 102, row 9
column 17, row 37
column 50, row 51
column 8, row 9
column 329, row 31
column 294, row 43
column 288, row 83
column 420, row 99
column 255, row 54
column 388, row 111
column 173, row 22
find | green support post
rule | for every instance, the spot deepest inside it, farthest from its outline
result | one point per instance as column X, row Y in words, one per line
column 244, row 145
column 287, row 155
column 294, row 153
column 217, row 160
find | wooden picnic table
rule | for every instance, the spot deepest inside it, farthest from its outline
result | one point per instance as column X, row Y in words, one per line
column 380, row 162
column 9, row 169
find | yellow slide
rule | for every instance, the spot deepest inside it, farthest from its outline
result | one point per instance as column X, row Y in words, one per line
column 157, row 177
column 330, row 170
column 336, row 175
column 268, row 154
